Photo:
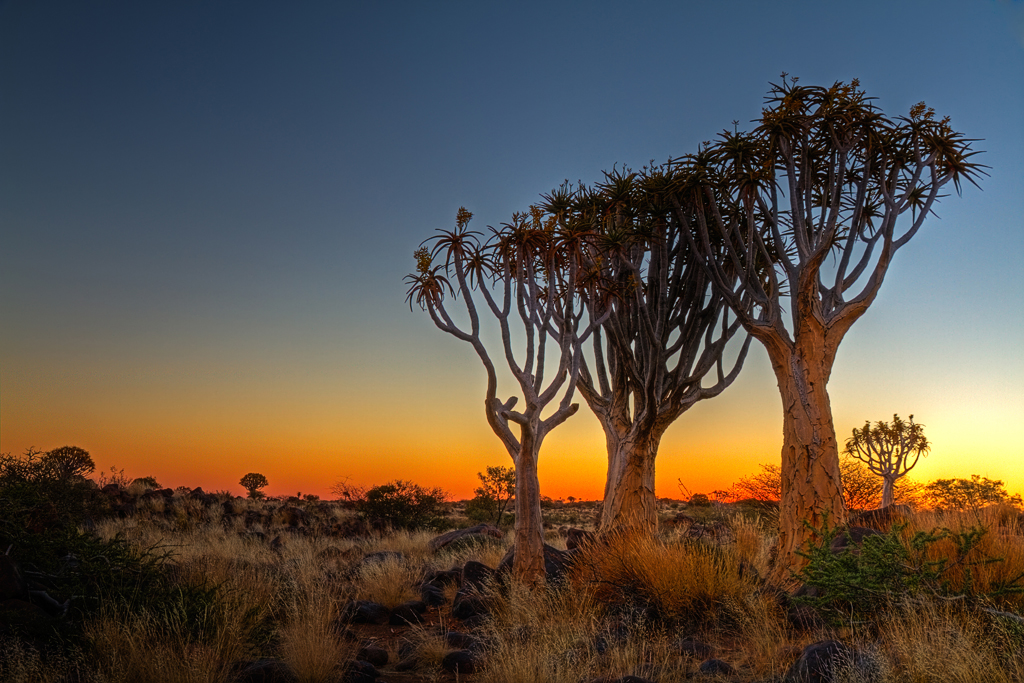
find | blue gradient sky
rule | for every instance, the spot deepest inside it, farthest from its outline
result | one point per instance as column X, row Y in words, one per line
column 207, row 209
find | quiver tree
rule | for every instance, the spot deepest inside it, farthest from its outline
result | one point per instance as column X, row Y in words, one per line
column 666, row 330
column 528, row 277
column 817, row 190
column 886, row 449
column 252, row 483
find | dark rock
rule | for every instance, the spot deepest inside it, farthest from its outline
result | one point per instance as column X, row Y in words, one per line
column 12, row 584
column 578, row 538
column 442, row 579
column 881, row 519
column 383, row 556
column 431, row 595
column 292, row 516
column 366, row 612
column 476, row 574
column 482, row 532
column 820, row 663
column 263, row 671
column 851, row 539
column 468, row 604
column 373, row 654
column 360, row 671
column 111, row 489
column 407, row 663
column 462, row 662
column 231, row 507
column 462, row 641
column 691, row 647
column 408, row 613
column 556, row 562
column 716, row 667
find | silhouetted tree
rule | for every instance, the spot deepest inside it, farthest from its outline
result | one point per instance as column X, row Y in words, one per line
column 68, row 461
column 666, row 332
column 253, row 482
column 496, row 490
column 968, row 494
column 797, row 219
column 533, row 265
column 886, row 450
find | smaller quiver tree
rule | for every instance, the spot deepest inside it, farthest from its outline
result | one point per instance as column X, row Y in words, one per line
column 529, row 270
column 253, row 482
column 887, row 450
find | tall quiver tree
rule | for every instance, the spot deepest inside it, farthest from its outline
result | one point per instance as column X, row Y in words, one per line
column 667, row 330
column 887, row 450
column 527, row 278
column 817, row 189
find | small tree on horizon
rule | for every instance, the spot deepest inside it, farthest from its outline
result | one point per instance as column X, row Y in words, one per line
column 886, row 450
column 497, row 489
column 252, row 483
column 67, row 462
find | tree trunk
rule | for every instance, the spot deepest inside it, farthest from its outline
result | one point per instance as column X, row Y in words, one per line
column 812, row 490
column 629, row 492
column 887, row 491
column 528, row 566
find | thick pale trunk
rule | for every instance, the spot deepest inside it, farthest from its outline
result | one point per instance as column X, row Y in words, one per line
column 812, row 490
column 887, row 491
column 528, row 566
column 629, row 500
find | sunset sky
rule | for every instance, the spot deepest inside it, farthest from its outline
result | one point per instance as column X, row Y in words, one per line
column 207, row 210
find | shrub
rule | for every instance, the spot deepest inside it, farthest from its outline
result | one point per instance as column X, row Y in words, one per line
column 403, row 505
column 968, row 494
column 865, row 581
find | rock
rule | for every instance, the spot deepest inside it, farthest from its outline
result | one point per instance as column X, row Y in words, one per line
column 441, row 579
column 366, row 612
column 476, row 574
column 483, row 531
column 431, row 595
column 408, row 663
column 462, row 662
column 382, row 556
column 716, row 667
column 820, row 663
column 12, row 584
column 556, row 562
column 111, row 489
column 691, row 647
column 292, row 516
column 463, row 641
column 263, row 671
column 851, row 539
column 360, row 671
column 373, row 654
column 881, row 519
column 231, row 507
column 408, row 613
column 468, row 604
column 578, row 538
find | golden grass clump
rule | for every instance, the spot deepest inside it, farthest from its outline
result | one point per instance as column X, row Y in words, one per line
column 688, row 584
column 935, row 641
column 310, row 640
column 389, row 580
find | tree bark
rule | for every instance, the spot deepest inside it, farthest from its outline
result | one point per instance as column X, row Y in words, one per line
column 812, row 489
column 630, row 500
column 887, row 491
column 528, row 566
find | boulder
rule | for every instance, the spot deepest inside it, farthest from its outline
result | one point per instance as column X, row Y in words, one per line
column 480, row 532
column 577, row 538
column 716, row 667
column 373, row 654
column 556, row 562
column 821, row 662
column 366, row 612
column 881, row 519
column 851, row 539
column 691, row 647
column 360, row 671
column 462, row 662
column 476, row 574
column 431, row 595
column 408, row 613
column 467, row 605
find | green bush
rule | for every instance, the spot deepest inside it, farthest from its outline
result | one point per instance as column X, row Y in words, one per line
column 403, row 505
column 860, row 582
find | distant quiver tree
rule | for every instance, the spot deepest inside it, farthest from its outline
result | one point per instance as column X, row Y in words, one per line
column 253, row 482
column 887, row 449
column 528, row 275
column 796, row 222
